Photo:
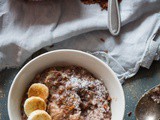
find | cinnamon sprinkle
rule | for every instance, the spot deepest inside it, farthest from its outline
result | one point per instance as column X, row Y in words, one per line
column 129, row 114
column 101, row 39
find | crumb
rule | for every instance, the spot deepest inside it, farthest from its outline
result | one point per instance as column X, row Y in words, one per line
column 129, row 114
column 103, row 40
column 102, row 3
column 106, row 51
column 51, row 46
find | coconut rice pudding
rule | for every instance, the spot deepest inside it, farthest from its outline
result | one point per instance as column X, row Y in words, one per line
column 66, row 93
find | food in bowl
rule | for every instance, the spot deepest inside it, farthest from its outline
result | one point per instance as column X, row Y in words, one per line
column 74, row 94
column 155, row 96
column 65, row 57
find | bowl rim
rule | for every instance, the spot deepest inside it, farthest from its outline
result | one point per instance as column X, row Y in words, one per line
column 65, row 50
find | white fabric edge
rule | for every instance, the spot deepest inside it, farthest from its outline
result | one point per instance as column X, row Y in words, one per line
column 131, row 72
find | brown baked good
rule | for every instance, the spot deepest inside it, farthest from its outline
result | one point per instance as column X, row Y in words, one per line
column 102, row 3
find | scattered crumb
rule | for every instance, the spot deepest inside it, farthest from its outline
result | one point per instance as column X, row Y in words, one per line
column 106, row 51
column 2, row 95
column 129, row 114
column 103, row 40
column 51, row 46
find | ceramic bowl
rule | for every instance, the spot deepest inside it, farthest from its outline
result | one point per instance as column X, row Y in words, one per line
column 66, row 57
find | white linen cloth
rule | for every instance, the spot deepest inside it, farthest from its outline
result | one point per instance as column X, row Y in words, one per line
column 26, row 27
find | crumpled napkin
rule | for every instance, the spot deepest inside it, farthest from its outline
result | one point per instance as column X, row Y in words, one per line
column 26, row 27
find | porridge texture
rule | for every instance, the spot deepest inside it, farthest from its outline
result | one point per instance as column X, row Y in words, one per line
column 156, row 95
column 74, row 94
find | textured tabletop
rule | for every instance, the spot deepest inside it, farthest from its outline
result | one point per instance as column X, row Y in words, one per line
column 133, row 88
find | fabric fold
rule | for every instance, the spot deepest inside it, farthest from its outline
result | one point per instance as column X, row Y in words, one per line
column 27, row 27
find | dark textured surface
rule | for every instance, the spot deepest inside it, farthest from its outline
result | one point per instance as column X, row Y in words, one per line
column 133, row 88
column 148, row 107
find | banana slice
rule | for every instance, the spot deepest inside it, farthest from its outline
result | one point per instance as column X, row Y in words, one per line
column 38, row 90
column 34, row 103
column 39, row 115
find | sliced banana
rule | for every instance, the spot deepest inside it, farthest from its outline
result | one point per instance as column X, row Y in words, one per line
column 39, row 115
column 34, row 103
column 38, row 90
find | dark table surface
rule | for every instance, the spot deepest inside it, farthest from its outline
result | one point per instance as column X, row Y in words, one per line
column 133, row 88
